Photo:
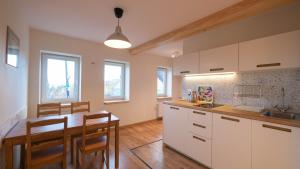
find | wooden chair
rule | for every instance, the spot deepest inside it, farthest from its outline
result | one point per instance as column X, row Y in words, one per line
column 77, row 107
column 48, row 109
column 95, row 137
column 44, row 148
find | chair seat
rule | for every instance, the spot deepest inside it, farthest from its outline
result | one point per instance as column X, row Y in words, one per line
column 43, row 156
column 92, row 145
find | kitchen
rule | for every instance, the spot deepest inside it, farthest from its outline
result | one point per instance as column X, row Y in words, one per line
column 216, row 85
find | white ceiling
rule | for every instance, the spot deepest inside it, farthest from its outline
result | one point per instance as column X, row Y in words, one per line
column 94, row 20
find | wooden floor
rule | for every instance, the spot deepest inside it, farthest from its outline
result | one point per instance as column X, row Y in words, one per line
column 141, row 148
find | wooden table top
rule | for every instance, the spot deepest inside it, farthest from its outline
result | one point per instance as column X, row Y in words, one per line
column 74, row 121
column 230, row 110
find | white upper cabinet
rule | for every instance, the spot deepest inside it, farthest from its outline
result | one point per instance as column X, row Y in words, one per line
column 273, row 52
column 275, row 146
column 186, row 64
column 221, row 59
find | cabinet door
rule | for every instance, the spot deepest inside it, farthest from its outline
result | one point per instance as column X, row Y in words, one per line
column 231, row 142
column 186, row 64
column 275, row 146
column 222, row 59
column 199, row 149
column 175, row 128
column 273, row 52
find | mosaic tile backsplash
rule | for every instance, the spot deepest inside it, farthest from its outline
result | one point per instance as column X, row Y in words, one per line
column 271, row 81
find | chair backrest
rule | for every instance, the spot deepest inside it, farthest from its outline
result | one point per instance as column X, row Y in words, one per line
column 80, row 107
column 48, row 109
column 51, row 137
column 96, row 125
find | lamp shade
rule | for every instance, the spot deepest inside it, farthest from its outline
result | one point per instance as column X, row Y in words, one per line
column 118, row 40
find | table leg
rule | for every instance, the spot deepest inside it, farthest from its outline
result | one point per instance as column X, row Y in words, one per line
column 117, row 145
column 22, row 165
column 9, row 155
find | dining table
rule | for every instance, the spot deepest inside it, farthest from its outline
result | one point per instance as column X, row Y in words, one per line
column 17, row 135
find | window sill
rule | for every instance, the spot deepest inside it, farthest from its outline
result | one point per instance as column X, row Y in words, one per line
column 116, row 101
column 164, row 98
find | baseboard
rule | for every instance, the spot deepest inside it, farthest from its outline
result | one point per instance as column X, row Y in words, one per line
column 139, row 123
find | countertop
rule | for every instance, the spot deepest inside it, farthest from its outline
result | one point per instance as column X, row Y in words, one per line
column 229, row 110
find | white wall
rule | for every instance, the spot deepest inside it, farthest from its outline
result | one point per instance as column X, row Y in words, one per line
column 13, row 81
column 142, row 105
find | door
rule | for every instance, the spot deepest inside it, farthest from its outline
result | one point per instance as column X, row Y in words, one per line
column 175, row 127
column 231, row 142
column 186, row 64
column 222, row 59
column 275, row 146
column 273, row 52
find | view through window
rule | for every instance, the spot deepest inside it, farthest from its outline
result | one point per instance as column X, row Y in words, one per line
column 162, row 82
column 114, row 80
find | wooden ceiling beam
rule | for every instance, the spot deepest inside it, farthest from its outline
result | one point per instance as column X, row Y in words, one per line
column 241, row 10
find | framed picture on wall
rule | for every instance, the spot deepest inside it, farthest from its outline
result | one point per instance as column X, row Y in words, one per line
column 12, row 48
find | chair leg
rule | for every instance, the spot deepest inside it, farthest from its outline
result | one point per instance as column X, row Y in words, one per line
column 102, row 160
column 72, row 149
column 82, row 161
column 64, row 165
column 76, row 162
column 107, row 158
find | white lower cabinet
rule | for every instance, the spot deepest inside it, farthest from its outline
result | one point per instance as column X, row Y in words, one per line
column 175, row 127
column 231, row 142
column 199, row 149
column 275, row 146
column 227, row 142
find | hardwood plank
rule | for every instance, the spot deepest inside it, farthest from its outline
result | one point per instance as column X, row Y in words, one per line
column 240, row 10
column 158, row 156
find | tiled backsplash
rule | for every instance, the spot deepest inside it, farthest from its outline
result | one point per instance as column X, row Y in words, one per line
column 271, row 81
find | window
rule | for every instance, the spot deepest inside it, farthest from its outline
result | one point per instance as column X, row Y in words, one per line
column 59, row 78
column 115, row 80
column 162, row 82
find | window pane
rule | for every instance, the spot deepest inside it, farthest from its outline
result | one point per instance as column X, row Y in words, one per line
column 161, row 82
column 114, row 80
column 61, row 79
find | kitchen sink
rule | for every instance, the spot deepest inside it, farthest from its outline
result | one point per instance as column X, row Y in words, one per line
column 281, row 115
column 209, row 105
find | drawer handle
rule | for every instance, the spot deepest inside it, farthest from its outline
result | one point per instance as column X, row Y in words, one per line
column 197, row 112
column 201, row 139
column 184, row 72
column 230, row 119
column 198, row 125
column 268, row 65
column 276, row 128
column 216, row 69
column 176, row 108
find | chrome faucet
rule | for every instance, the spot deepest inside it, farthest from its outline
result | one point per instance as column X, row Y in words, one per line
column 282, row 108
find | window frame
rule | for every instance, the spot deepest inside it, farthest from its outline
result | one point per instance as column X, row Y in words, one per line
column 123, row 79
column 45, row 55
column 165, row 94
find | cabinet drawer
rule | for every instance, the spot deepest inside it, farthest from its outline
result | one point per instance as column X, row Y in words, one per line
column 203, row 117
column 201, row 129
column 200, row 149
